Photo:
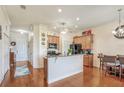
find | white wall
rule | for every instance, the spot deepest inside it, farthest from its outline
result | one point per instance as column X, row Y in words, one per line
column 66, row 40
column 4, row 43
column 21, row 48
column 4, row 52
column 39, row 50
column 43, row 48
column 36, row 46
column 30, row 48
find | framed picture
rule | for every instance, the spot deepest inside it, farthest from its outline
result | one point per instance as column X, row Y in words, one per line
column 43, row 43
column 0, row 32
column 43, row 34
column 43, row 39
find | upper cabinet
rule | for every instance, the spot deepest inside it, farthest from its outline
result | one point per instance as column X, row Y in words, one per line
column 83, row 41
column 77, row 40
column 86, row 41
column 53, row 39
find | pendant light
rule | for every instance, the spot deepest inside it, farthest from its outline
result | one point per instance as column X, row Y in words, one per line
column 64, row 29
column 119, row 31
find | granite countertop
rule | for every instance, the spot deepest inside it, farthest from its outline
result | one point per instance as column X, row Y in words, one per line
column 62, row 56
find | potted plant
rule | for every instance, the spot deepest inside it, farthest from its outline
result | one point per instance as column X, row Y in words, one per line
column 69, row 51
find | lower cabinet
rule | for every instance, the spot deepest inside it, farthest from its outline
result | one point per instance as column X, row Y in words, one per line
column 88, row 60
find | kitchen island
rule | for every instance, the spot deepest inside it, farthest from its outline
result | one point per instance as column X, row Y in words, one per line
column 60, row 67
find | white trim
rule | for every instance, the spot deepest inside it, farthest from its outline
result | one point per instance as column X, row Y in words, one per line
column 63, row 77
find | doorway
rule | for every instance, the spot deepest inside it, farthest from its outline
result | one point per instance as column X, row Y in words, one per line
column 21, row 47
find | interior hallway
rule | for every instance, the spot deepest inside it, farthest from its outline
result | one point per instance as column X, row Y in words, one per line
column 91, row 77
column 32, row 80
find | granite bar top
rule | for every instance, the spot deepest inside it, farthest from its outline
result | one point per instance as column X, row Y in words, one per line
column 53, row 56
column 63, row 55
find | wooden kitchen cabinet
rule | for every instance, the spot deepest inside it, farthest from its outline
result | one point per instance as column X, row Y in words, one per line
column 80, row 40
column 57, row 41
column 74, row 39
column 77, row 40
column 53, row 39
column 88, row 42
column 85, row 60
column 50, row 39
column 88, row 60
column 85, row 41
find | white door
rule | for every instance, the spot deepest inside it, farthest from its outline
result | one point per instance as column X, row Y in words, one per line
column 21, row 48
column 6, row 53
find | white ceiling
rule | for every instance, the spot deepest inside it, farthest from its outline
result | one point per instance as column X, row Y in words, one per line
column 41, row 14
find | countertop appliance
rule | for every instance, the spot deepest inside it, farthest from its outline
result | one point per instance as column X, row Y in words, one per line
column 76, row 48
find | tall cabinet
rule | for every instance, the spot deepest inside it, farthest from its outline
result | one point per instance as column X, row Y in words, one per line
column 87, row 43
column 53, row 39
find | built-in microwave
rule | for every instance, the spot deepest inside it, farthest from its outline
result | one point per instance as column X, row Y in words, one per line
column 52, row 46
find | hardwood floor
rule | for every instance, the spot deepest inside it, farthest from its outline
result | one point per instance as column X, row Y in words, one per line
column 35, row 79
column 91, row 77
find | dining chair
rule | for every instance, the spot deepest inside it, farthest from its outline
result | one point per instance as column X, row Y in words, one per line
column 110, row 64
column 121, row 60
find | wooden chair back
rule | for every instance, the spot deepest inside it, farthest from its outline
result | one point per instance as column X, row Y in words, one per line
column 109, row 59
column 121, row 59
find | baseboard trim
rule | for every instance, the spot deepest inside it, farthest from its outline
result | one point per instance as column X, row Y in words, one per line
column 63, row 77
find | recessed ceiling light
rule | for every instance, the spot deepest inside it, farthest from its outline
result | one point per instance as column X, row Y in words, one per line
column 54, row 27
column 22, row 32
column 59, row 10
column 77, row 18
column 63, row 32
column 76, row 26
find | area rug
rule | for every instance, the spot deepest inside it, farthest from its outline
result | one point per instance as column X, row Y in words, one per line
column 21, row 71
